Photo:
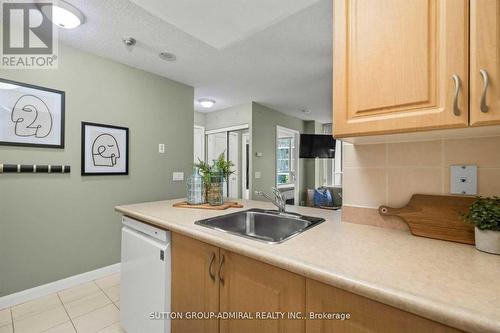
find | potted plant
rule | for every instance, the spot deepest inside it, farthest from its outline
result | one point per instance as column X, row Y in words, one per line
column 213, row 178
column 484, row 214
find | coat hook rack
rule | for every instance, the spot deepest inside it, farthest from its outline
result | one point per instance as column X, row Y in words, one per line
column 34, row 168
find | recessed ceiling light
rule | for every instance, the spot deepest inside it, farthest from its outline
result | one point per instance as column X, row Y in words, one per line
column 167, row 56
column 206, row 103
column 63, row 14
column 129, row 41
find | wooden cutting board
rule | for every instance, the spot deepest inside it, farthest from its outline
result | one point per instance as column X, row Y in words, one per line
column 436, row 216
column 225, row 205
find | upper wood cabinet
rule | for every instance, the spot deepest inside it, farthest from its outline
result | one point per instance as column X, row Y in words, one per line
column 394, row 63
column 195, row 283
column 485, row 62
column 252, row 286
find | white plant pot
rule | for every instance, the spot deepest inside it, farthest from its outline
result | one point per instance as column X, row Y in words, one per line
column 487, row 240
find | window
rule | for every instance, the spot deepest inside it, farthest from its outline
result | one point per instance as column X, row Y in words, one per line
column 284, row 160
column 332, row 168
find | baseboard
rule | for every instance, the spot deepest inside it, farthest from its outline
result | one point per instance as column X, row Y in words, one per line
column 53, row 287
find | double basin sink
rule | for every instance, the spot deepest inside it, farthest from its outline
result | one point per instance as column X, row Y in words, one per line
column 269, row 226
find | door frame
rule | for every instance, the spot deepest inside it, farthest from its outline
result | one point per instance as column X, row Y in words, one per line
column 245, row 194
column 297, row 161
column 203, row 142
column 227, row 129
column 234, row 160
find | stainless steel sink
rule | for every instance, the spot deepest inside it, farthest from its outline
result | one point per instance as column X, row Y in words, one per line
column 263, row 225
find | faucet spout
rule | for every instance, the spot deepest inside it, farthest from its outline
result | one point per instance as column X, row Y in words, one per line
column 278, row 200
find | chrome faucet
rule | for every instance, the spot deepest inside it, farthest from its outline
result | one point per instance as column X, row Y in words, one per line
column 278, row 200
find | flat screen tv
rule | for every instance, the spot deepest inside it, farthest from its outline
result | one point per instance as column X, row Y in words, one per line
column 317, row 146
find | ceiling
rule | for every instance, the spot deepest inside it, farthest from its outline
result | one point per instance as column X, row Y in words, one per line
column 277, row 53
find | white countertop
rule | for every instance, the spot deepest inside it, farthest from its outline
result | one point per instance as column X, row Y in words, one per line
column 447, row 282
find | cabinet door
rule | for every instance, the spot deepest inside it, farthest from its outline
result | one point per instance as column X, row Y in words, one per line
column 250, row 285
column 485, row 56
column 193, row 288
column 393, row 65
column 365, row 315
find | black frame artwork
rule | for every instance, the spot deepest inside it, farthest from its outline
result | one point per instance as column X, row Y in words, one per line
column 36, row 125
column 98, row 160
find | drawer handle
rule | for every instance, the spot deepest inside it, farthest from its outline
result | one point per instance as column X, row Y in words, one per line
column 212, row 259
column 458, row 85
column 486, row 82
column 221, row 278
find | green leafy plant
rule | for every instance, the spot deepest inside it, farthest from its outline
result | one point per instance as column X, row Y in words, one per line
column 224, row 166
column 206, row 174
column 205, row 170
column 208, row 171
column 484, row 213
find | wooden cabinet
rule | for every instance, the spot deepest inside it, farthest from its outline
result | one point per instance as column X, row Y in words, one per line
column 208, row 279
column 252, row 286
column 195, row 284
column 365, row 315
column 393, row 66
column 485, row 62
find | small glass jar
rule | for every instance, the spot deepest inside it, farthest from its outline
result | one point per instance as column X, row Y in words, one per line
column 195, row 188
column 215, row 195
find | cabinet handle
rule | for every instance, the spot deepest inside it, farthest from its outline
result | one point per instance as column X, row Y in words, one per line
column 221, row 278
column 486, row 81
column 212, row 259
column 458, row 84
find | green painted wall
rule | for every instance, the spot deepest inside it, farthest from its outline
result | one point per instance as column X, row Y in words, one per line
column 232, row 116
column 55, row 226
column 264, row 122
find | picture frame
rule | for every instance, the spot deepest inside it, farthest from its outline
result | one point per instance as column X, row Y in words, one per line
column 105, row 150
column 31, row 116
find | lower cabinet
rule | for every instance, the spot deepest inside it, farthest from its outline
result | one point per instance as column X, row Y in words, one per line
column 366, row 315
column 207, row 279
column 195, row 283
column 251, row 286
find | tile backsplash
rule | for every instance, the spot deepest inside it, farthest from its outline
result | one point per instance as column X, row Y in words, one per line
column 388, row 174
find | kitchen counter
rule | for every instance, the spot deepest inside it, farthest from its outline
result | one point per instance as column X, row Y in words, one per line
column 443, row 281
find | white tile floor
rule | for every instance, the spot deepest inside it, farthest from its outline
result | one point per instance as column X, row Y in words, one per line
column 88, row 308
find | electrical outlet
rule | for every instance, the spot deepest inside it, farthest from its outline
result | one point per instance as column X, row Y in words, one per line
column 161, row 148
column 257, row 175
column 178, row 176
column 463, row 179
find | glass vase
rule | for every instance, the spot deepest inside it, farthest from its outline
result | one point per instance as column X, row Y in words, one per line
column 215, row 195
column 195, row 188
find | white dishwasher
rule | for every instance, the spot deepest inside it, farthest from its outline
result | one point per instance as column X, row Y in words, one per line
column 145, row 277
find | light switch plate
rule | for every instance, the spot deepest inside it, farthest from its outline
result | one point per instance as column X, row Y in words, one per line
column 178, row 176
column 257, row 175
column 463, row 179
column 161, row 148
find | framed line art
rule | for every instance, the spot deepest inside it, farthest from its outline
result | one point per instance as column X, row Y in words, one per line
column 104, row 150
column 30, row 115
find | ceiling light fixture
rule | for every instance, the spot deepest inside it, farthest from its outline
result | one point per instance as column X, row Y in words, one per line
column 206, row 103
column 306, row 111
column 167, row 56
column 63, row 14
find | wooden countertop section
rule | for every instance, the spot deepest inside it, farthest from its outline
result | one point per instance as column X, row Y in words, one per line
column 446, row 282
